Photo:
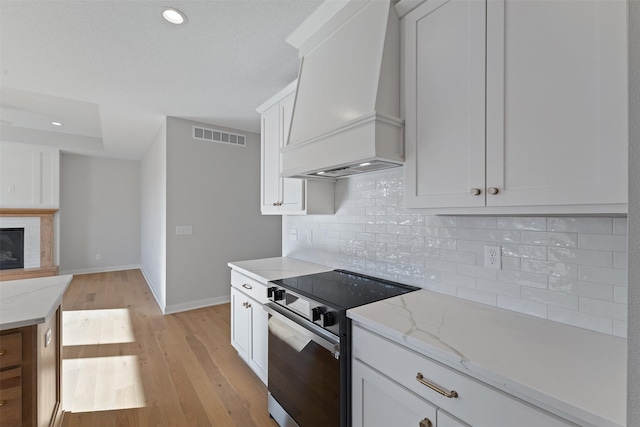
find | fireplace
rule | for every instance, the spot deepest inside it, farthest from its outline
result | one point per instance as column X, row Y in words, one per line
column 11, row 248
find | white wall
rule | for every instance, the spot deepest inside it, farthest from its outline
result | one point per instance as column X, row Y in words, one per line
column 153, row 210
column 215, row 188
column 633, row 386
column 99, row 213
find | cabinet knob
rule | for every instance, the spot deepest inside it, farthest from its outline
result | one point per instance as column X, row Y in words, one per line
column 2, row 402
column 475, row 191
column 244, row 285
column 275, row 203
column 426, row 423
column 2, row 352
column 493, row 190
column 244, row 304
column 248, row 305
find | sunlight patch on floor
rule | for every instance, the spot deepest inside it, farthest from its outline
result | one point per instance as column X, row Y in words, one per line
column 102, row 383
column 90, row 327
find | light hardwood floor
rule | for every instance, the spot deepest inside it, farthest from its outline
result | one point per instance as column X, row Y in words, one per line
column 125, row 364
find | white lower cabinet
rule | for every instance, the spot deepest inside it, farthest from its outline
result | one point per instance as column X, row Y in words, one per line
column 381, row 402
column 394, row 385
column 249, row 325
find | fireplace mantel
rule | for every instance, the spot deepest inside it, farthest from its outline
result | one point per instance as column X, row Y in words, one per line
column 46, row 244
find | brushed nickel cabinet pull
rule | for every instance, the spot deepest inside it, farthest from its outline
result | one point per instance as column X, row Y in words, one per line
column 247, row 286
column 426, row 423
column 248, row 304
column 275, row 203
column 420, row 378
column 475, row 191
column 493, row 190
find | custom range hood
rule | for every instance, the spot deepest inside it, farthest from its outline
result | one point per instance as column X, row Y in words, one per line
column 347, row 107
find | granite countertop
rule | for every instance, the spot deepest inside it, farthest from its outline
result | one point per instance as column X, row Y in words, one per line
column 575, row 373
column 267, row 269
column 29, row 302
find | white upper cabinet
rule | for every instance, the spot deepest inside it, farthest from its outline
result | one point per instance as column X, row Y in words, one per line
column 29, row 176
column 527, row 115
column 286, row 195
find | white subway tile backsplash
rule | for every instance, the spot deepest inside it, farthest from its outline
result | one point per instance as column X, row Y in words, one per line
column 457, row 280
column 620, row 328
column 477, row 222
column 620, row 294
column 511, row 264
column 523, row 279
column 581, row 256
column 552, row 298
column 498, row 288
column 603, row 242
column 577, row 287
column 582, row 320
column 603, row 308
column 580, row 225
column 620, row 260
column 620, row 226
column 478, row 296
column 522, row 223
column 569, row 270
column 441, row 221
column 609, row 276
column 550, row 268
column 565, row 240
column 524, row 251
column 475, row 271
column 521, row 306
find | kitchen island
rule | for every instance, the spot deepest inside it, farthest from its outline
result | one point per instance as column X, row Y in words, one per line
column 572, row 373
column 30, row 351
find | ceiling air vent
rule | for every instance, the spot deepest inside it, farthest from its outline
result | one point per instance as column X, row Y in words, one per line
column 213, row 135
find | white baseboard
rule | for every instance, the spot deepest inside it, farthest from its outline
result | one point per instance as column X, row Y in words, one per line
column 197, row 304
column 101, row 269
column 153, row 292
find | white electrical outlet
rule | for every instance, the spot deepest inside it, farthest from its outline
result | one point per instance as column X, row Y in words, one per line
column 293, row 234
column 493, row 257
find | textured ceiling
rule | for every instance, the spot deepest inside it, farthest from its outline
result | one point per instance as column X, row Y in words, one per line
column 123, row 57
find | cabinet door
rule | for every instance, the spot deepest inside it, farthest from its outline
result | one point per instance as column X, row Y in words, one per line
column 381, row 402
column 292, row 191
column 447, row 420
column 444, row 66
column 270, row 179
column 240, row 323
column 556, row 102
column 259, row 339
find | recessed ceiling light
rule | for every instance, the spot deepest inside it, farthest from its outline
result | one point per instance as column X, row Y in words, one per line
column 320, row 173
column 174, row 16
column 365, row 164
column 56, row 123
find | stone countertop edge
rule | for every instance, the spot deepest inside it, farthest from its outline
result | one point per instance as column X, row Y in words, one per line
column 41, row 295
column 386, row 318
column 267, row 269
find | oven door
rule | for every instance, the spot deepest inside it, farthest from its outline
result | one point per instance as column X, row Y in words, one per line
column 304, row 371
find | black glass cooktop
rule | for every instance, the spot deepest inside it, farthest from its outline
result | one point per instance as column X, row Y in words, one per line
column 343, row 289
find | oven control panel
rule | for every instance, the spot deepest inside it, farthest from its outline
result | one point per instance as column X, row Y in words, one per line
column 305, row 307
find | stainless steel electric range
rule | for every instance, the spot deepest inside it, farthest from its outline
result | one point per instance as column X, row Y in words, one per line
column 310, row 345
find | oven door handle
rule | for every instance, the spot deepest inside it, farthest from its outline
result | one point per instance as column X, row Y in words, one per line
column 314, row 332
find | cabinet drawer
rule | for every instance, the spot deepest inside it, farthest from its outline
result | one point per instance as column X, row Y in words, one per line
column 249, row 286
column 476, row 403
column 11, row 397
column 10, row 350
